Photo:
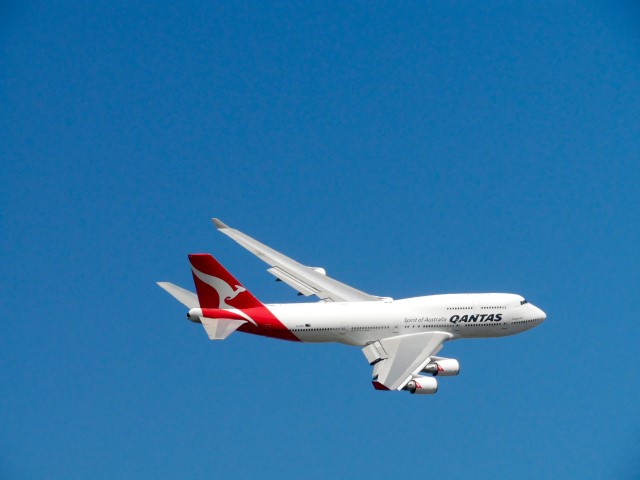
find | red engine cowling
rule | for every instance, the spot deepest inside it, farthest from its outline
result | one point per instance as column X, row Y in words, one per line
column 445, row 367
column 422, row 385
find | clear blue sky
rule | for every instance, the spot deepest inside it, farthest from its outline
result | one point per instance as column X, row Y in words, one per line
column 408, row 148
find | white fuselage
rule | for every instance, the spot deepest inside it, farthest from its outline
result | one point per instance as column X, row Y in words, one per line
column 473, row 315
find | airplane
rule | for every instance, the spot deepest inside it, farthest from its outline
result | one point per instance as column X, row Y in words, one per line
column 399, row 338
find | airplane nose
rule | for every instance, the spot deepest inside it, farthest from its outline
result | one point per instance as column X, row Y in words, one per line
column 542, row 315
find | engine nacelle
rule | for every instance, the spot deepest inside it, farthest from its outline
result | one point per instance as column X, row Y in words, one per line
column 194, row 315
column 445, row 367
column 422, row 385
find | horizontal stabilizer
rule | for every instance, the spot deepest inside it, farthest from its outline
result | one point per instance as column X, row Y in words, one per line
column 185, row 297
column 220, row 328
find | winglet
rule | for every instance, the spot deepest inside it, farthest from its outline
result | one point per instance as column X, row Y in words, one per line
column 219, row 224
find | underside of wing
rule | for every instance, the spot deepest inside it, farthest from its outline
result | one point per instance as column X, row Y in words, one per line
column 396, row 360
column 306, row 280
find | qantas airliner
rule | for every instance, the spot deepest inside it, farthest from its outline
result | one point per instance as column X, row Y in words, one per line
column 399, row 338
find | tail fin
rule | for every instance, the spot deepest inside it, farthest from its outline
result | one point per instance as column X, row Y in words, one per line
column 216, row 287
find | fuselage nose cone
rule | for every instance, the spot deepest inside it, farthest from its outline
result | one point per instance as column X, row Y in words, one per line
column 543, row 316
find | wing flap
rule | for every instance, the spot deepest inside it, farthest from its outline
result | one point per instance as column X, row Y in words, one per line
column 293, row 282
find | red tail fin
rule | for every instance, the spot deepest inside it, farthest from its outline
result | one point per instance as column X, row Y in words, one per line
column 216, row 287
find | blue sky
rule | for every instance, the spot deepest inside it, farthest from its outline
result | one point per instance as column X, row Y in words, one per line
column 409, row 148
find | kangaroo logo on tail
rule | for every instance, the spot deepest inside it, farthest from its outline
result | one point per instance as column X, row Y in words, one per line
column 223, row 289
column 217, row 288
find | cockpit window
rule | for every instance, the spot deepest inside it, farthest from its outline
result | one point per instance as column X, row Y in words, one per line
column 522, row 302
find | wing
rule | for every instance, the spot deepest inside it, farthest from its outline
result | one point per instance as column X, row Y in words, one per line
column 306, row 280
column 397, row 359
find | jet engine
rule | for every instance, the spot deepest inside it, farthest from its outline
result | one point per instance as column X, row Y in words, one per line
column 422, row 385
column 445, row 367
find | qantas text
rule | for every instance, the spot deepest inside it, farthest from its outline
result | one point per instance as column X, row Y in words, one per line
column 476, row 318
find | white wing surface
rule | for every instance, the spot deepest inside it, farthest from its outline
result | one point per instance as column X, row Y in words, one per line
column 306, row 280
column 400, row 358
